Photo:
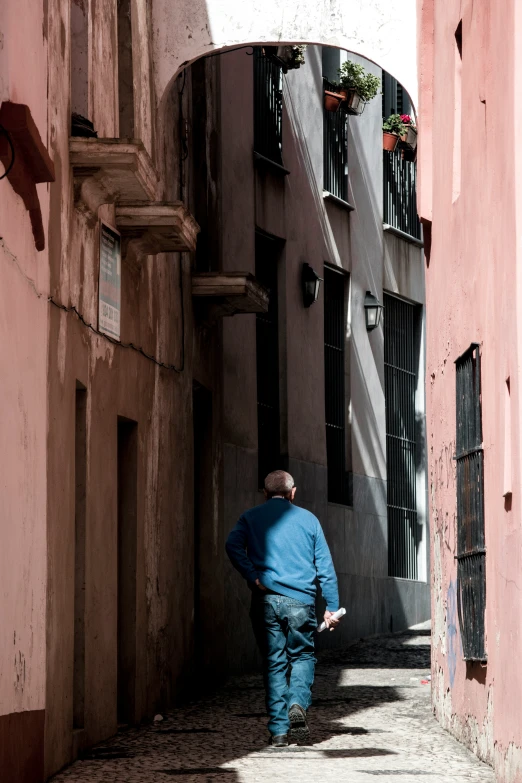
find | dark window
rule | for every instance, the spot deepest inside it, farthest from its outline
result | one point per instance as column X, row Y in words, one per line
column 400, row 382
column 335, row 151
column 394, row 99
column 267, row 347
column 471, row 551
column 399, row 172
column 268, row 107
column 339, row 490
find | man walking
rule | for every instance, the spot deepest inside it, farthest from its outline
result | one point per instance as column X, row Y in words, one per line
column 281, row 551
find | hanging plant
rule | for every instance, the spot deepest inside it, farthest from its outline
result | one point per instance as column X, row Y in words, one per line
column 355, row 86
column 353, row 76
column 288, row 57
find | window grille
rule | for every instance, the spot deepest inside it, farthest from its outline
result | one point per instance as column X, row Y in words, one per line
column 268, row 107
column 267, row 358
column 400, row 193
column 339, row 489
column 471, row 551
column 400, row 377
column 399, row 175
column 335, row 151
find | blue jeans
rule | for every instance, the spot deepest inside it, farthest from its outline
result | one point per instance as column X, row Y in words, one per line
column 284, row 629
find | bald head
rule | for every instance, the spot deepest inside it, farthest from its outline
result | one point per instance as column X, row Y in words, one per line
column 279, row 482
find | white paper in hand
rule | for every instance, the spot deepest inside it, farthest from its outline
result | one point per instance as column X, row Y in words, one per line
column 336, row 616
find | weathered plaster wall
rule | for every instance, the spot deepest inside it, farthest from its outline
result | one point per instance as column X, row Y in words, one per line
column 119, row 382
column 24, row 283
column 473, row 286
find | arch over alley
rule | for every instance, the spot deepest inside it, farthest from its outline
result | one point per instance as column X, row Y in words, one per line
column 382, row 32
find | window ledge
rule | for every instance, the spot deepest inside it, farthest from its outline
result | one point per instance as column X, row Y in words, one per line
column 402, row 235
column 270, row 164
column 339, row 201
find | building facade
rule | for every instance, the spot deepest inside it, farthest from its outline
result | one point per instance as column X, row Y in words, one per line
column 139, row 416
column 470, row 68
column 309, row 389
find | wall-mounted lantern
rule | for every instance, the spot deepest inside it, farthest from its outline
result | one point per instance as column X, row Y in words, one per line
column 372, row 311
column 311, row 283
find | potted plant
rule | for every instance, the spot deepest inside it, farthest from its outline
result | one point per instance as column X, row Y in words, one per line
column 357, row 86
column 354, row 89
column 288, row 57
column 409, row 136
column 392, row 130
column 332, row 100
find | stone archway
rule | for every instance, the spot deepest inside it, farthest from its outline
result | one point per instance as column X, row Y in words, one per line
column 381, row 31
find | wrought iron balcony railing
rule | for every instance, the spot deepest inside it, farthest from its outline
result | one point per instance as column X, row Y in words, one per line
column 400, row 193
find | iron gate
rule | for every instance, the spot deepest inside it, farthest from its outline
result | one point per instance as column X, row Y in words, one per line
column 400, row 376
column 471, row 550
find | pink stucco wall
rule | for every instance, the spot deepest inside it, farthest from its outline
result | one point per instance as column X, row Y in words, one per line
column 469, row 191
column 23, row 414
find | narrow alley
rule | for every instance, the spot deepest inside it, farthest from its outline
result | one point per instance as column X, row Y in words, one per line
column 371, row 717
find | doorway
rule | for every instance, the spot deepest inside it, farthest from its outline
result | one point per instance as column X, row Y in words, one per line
column 127, row 546
column 204, row 580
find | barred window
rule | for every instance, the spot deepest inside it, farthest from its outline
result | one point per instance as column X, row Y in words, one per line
column 267, row 359
column 471, row 549
column 339, row 484
column 399, row 172
column 268, row 107
column 401, row 330
column 335, row 151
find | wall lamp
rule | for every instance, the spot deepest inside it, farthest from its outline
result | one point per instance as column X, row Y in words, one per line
column 372, row 311
column 311, row 283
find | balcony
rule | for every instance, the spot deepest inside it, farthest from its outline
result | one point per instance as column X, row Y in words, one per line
column 110, row 170
column 229, row 293
column 335, row 153
column 400, row 196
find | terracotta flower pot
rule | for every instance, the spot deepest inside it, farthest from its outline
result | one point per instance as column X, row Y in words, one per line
column 332, row 100
column 389, row 141
column 410, row 137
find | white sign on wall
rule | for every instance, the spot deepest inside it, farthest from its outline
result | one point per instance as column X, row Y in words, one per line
column 109, row 296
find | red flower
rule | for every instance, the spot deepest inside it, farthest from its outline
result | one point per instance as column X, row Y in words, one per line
column 406, row 119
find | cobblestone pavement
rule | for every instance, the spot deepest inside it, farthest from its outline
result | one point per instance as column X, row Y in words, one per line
column 370, row 718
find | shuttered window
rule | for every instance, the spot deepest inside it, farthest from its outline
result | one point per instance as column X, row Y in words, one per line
column 471, row 548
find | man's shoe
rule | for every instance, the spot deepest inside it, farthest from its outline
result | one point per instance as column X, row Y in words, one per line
column 299, row 730
column 279, row 741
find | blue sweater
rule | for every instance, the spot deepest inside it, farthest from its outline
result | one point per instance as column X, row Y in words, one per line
column 284, row 547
